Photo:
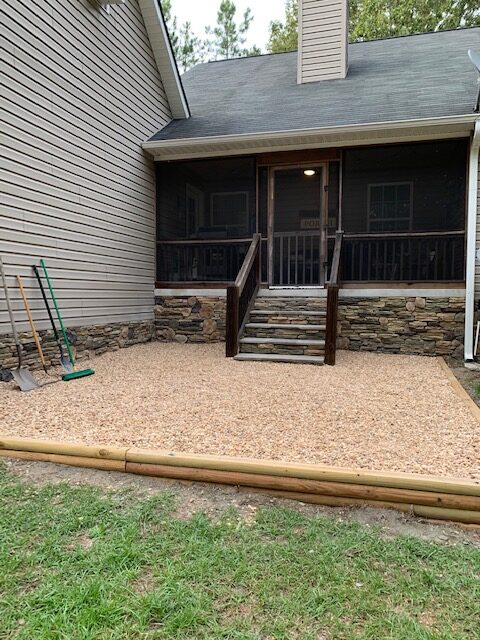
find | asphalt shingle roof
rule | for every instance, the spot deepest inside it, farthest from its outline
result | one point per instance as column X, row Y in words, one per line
column 421, row 76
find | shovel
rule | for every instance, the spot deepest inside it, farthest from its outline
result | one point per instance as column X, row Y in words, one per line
column 64, row 361
column 21, row 374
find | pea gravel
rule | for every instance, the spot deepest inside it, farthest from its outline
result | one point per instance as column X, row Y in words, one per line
column 375, row 411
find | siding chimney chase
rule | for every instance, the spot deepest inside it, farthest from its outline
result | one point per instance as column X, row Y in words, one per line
column 322, row 40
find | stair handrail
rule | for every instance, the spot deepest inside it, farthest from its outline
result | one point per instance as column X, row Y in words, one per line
column 240, row 299
column 333, row 286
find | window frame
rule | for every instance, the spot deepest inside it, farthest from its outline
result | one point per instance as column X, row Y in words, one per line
column 372, row 185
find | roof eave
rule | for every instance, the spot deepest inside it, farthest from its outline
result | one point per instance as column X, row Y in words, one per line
column 446, row 126
column 164, row 58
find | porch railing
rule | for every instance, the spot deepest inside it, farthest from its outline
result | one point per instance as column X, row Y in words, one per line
column 198, row 261
column 241, row 295
column 404, row 257
column 333, row 286
column 297, row 258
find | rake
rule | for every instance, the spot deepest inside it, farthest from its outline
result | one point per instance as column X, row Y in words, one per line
column 74, row 374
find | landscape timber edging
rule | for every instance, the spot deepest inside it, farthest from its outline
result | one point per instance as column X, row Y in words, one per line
column 459, row 389
column 425, row 496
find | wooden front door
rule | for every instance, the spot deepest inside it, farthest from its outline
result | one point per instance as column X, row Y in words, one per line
column 297, row 243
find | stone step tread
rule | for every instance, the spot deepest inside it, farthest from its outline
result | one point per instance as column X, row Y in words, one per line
column 285, row 341
column 281, row 357
column 281, row 312
column 284, row 325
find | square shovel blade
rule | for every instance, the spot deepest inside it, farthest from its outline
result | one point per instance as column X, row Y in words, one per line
column 24, row 379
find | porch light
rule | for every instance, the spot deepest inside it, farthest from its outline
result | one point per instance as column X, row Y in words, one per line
column 309, row 172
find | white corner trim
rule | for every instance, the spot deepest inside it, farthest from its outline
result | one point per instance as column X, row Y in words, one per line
column 472, row 214
column 164, row 57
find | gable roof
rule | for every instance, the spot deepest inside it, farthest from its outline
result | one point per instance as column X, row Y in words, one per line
column 164, row 57
column 392, row 80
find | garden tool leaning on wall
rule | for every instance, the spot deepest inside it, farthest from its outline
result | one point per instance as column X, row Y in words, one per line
column 21, row 374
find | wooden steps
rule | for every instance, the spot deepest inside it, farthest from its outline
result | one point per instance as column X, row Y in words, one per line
column 285, row 329
column 280, row 357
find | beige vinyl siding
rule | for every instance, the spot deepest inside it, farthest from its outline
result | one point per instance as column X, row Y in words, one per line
column 81, row 93
column 322, row 41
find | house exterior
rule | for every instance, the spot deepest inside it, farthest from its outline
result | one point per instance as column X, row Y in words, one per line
column 83, row 86
column 337, row 185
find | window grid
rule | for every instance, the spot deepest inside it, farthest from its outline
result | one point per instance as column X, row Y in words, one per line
column 390, row 206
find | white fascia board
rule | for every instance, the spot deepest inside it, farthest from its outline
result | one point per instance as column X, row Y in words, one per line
column 472, row 214
column 164, row 58
column 260, row 141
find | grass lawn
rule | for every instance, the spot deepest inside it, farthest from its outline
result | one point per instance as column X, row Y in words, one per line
column 78, row 562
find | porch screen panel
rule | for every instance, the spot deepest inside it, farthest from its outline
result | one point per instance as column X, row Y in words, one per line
column 205, row 218
column 404, row 212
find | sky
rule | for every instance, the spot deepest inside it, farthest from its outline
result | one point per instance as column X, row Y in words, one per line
column 204, row 12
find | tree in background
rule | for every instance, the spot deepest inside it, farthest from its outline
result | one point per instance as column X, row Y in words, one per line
column 172, row 23
column 227, row 37
column 284, row 35
column 189, row 50
column 225, row 40
column 386, row 18
column 371, row 19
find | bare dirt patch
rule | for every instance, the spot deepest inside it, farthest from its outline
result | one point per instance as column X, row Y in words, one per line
column 374, row 411
column 214, row 500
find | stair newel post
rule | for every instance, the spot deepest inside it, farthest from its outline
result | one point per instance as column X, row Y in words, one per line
column 332, row 302
column 331, row 328
column 232, row 326
column 258, row 262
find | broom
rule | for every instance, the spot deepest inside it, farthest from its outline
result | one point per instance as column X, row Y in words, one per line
column 74, row 374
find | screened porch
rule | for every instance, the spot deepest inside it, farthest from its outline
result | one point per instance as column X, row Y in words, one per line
column 401, row 209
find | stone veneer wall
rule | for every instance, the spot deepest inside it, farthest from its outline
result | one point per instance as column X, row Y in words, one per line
column 424, row 326
column 85, row 341
column 190, row 318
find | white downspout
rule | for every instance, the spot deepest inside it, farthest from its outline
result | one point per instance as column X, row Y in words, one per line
column 472, row 214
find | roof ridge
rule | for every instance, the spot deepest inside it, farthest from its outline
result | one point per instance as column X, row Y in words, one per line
column 406, row 35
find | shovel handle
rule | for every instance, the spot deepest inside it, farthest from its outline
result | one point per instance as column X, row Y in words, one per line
column 32, row 325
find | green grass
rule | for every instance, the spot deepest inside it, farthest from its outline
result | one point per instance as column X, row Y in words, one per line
column 78, row 563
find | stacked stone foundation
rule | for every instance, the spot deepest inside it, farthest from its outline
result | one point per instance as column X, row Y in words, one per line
column 85, row 341
column 190, row 318
column 408, row 325
column 417, row 326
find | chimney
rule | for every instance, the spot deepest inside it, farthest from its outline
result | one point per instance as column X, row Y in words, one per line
column 322, row 40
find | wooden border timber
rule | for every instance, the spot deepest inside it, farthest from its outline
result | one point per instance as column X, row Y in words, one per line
column 425, row 496
column 459, row 390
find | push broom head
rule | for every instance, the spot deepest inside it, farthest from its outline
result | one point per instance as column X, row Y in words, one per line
column 78, row 374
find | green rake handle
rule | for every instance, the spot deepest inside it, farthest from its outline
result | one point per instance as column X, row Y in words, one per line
column 64, row 333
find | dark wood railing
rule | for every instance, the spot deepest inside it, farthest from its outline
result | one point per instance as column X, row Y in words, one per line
column 333, row 286
column 404, row 257
column 204, row 261
column 241, row 295
column 297, row 258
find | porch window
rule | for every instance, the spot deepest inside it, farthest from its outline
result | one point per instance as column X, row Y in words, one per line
column 206, row 218
column 390, row 206
column 403, row 212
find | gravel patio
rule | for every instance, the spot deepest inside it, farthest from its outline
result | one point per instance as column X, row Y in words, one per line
column 372, row 411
